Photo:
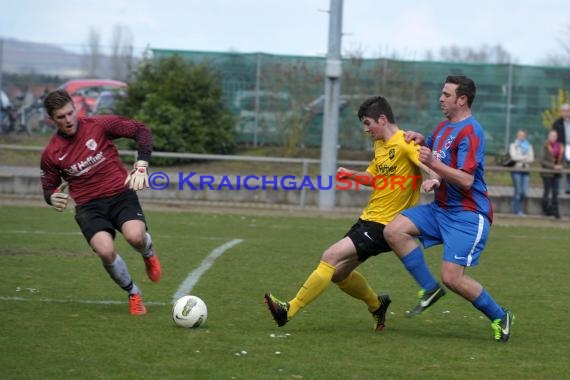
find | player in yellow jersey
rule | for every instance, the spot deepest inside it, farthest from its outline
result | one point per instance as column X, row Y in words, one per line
column 395, row 178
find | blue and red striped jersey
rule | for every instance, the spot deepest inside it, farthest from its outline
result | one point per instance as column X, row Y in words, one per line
column 461, row 146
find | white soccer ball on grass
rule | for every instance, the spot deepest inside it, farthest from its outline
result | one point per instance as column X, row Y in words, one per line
column 190, row 311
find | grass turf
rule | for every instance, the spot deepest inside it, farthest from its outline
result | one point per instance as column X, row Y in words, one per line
column 50, row 329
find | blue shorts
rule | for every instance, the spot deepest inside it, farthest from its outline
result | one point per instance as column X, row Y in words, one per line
column 463, row 233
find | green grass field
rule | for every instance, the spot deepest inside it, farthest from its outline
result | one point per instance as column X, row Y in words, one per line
column 61, row 317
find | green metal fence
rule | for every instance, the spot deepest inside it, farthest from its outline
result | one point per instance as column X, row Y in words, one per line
column 278, row 99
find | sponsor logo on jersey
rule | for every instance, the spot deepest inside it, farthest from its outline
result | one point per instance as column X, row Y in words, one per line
column 84, row 166
column 384, row 169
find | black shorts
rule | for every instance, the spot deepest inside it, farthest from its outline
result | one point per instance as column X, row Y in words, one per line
column 368, row 238
column 108, row 214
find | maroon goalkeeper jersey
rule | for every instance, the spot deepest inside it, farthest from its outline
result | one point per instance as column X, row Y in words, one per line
column 89, row 160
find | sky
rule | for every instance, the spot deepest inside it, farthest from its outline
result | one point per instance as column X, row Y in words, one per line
column 529, row 30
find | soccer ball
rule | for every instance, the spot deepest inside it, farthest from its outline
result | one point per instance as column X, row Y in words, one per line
column 189, row 311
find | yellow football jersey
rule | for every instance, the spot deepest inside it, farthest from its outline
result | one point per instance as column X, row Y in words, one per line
column 396, row 181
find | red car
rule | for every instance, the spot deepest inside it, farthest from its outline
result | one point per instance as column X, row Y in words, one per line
column 85, row 92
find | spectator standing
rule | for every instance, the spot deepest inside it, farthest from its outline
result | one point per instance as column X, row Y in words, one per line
column 552, row 157
column 522, row 154
column 562, row 128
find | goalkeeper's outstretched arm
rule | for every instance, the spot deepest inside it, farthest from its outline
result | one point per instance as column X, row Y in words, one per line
column 137, row 178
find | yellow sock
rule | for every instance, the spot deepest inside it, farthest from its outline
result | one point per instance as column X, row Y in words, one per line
column 313, row 287
column 357, row 286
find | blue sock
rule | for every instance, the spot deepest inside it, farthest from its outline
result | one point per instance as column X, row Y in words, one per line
column 487, row 305
column 416, row 265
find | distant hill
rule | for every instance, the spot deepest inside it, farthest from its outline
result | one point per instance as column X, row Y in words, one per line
column 22, row 57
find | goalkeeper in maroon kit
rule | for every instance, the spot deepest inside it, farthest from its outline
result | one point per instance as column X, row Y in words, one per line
column 82, row 155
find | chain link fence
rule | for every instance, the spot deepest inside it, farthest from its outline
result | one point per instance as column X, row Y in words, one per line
column 279, row 99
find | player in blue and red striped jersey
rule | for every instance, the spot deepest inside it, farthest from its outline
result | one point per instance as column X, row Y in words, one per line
column 83, row 155
column 461, row 214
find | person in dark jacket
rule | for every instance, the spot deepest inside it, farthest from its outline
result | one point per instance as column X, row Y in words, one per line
column 552, row 156
column 562, row 127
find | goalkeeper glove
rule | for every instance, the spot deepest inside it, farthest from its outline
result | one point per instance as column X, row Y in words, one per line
column 137, row 179
column 58, row 198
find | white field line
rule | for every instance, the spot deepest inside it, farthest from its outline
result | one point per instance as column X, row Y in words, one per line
column 36, row 232
column 39, row 232
column 185, row 288
column 188, row 284
column 52, row 300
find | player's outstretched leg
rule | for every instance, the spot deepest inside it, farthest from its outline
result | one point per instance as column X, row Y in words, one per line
column 426, row 299
column 151, row 262
column 277, row 308
column 502, row 327
column 379, row 314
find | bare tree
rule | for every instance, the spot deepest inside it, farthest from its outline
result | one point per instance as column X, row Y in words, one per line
column 561, row 58
column 121, row 52
column 483, row 54
column 565, row 42
column 91, row 59
column 289, row 109
column 429, row 56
